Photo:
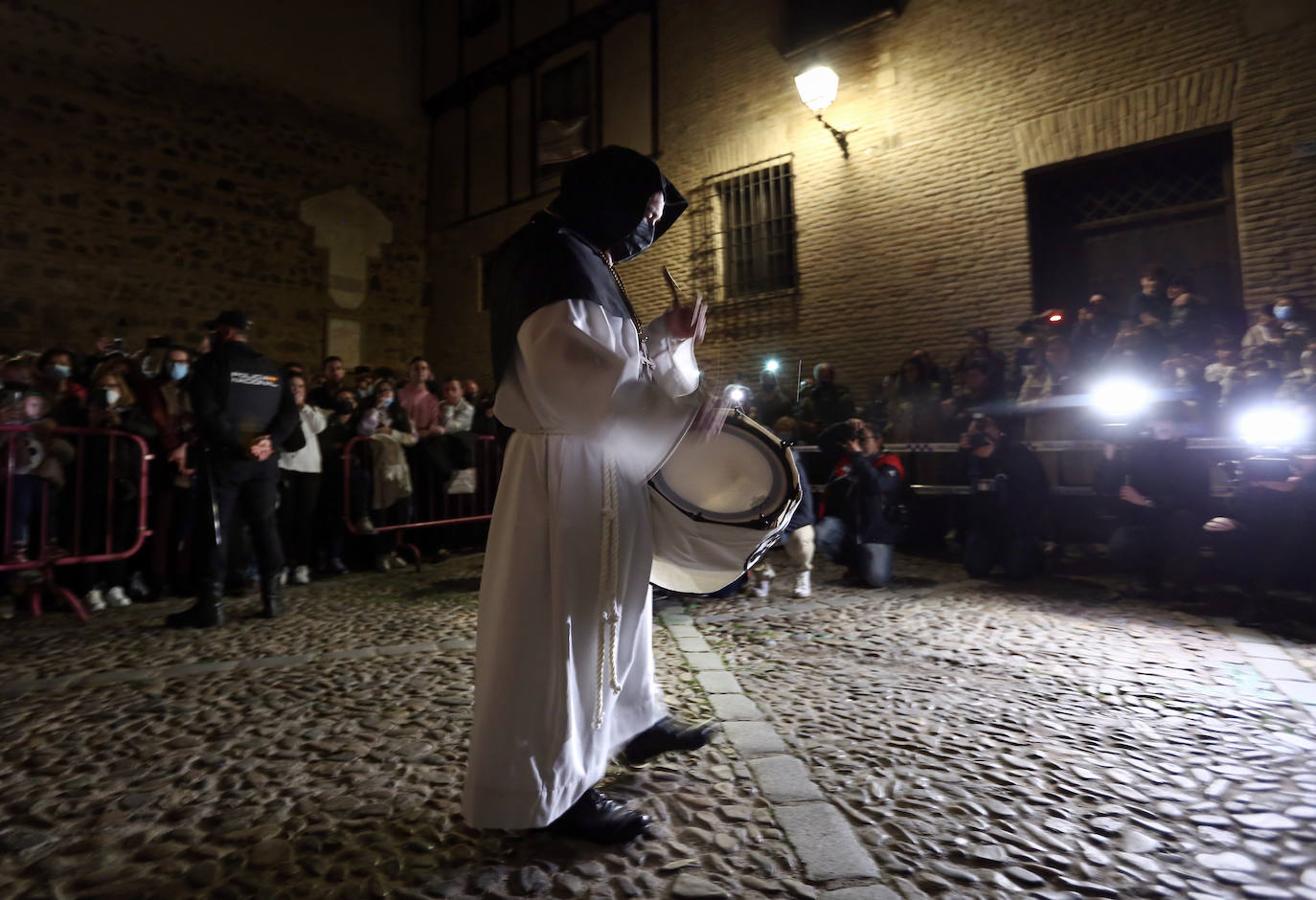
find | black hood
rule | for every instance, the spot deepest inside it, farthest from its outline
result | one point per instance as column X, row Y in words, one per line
column 557, row 254
column 604, row 195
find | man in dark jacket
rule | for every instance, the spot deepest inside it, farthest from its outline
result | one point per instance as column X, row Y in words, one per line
column 857, row 527
column 826, row 403
column 1007, row 511
column 1163, row 491
column 245, row 414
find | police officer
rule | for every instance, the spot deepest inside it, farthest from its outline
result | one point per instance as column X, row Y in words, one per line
column 245, row 414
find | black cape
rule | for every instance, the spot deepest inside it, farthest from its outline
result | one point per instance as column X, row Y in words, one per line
column 556, row 255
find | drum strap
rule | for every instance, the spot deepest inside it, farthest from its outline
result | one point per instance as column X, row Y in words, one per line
column 610, row 621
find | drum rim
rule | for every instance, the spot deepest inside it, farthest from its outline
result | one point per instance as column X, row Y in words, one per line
column 793, row 491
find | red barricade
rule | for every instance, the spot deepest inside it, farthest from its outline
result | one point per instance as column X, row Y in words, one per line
column 34, row 460
column 467, row 497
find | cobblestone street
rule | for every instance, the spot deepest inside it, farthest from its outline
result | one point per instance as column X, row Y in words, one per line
column 941, row 737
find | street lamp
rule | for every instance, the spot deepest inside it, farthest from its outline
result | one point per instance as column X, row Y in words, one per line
column 817, row 88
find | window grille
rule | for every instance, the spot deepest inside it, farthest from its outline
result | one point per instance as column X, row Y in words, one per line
column 1148, row 184
column 757, row 231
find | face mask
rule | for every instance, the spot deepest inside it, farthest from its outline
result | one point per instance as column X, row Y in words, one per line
column 343, row 407
column 1283, row 313
column 363, row 393
column 178, row 370
column 111, row 396
column 383, row 402
column 59, row 370
column 636, row 242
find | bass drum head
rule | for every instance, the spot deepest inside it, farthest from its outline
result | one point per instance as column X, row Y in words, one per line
column 718, row 504
column 735, row 477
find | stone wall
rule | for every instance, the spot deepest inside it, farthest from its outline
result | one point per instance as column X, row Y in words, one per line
column 142, row 189
column 923, row 230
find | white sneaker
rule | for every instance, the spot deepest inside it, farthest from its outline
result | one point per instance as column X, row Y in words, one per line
column 763, row 587
column 283, row 577
column 301, row 575
column 802, row 586
column 397, row 562
column 137, row 586
column 95, row 600
column 117, row 598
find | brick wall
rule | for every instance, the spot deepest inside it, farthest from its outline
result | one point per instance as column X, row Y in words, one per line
column 923, row 231
column 140, row 192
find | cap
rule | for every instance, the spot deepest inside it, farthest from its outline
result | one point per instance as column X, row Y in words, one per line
column 232, row 318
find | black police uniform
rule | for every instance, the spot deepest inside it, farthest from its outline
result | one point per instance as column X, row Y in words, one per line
column 238, row 395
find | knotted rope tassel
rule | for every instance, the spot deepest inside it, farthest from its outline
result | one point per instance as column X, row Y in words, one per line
column 610, row 620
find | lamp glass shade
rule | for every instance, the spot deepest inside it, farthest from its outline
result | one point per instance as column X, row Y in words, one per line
column 817, row 87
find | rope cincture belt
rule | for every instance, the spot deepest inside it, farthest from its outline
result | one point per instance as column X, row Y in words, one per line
column 610, row 619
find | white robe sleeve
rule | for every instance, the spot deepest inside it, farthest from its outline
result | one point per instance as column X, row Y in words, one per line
column 581, row 371
column 675, row 368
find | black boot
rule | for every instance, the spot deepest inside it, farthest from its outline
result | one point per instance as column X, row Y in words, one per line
column 271, row 596
column 667, row 735
column 601, row 820
column 207, row 612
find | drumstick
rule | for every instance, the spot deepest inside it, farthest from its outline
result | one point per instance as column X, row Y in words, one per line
column 698, row 315
column 673, row 287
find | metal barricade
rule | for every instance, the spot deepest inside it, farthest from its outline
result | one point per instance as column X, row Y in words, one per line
column 913, row 452
column 30, row 455
column 443, row 507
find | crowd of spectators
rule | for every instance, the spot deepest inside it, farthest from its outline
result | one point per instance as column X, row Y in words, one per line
column 1202, row 363
column 419, row 443
column 1165, row 333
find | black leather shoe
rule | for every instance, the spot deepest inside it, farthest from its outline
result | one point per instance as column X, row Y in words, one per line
column 271, row 597
column 665, row 736
column 601, row 820
column 207, row 612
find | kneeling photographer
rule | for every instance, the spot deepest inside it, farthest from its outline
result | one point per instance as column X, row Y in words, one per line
column 1162, row 491
column 859, row 520
column 1008, row 509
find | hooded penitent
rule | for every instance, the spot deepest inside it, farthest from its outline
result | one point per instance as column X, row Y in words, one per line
column 558, row 255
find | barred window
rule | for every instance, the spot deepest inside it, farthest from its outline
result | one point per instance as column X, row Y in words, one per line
column 758, row 231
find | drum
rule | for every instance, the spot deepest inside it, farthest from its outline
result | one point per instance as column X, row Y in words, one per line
column 718, row 504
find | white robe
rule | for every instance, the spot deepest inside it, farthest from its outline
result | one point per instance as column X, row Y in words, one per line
column 564, row 670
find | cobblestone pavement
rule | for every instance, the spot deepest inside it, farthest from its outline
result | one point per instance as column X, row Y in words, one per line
column 942, row 737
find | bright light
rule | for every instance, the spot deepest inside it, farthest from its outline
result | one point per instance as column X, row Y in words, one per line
column 1054, row 318
column 1121, row 398
column 1274, row 426
column 771, row 366
column 817, row 87
column 736, row 394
